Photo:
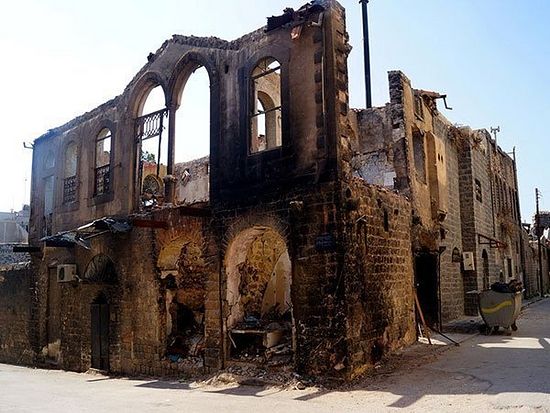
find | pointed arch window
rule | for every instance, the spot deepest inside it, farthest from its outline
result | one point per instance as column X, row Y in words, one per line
column 103, row 149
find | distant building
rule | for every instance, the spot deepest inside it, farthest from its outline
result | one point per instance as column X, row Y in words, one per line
column 14, row 226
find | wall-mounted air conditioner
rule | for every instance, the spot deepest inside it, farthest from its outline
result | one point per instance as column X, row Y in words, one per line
column 66, row 273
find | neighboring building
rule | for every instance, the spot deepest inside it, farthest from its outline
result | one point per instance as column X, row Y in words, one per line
column 269, row 252
column 14, row 226
column 463, row 191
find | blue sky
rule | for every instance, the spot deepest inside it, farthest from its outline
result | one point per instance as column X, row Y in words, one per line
column 62, row 58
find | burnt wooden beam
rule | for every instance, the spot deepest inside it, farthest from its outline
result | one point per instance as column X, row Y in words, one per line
column 195, row 212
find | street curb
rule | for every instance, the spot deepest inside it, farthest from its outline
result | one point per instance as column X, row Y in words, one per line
column 531, row 302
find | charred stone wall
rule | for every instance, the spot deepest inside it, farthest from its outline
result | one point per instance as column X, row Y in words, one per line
column 16, row 298
column 378, row 274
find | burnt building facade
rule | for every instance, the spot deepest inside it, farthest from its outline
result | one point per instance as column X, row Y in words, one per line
column 269, row 251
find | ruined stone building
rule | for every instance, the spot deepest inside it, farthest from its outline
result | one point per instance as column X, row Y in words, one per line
column 269, row 251
column 296, row 243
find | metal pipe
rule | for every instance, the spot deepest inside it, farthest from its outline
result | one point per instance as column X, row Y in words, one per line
column 366, row 52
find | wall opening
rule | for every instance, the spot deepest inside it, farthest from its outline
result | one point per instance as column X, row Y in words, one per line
column 151, row 126
column 69, row 174
column 192, row 138
column 265, row 106
column 258, row 320
column 427, row 286
column 100, row 314
column 102, row 170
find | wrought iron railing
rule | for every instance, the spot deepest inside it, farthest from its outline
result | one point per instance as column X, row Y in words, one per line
column 69, row 189
column 102, row 179
column 150, row 125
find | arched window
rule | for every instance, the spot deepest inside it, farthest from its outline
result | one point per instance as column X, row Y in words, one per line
column 153, row 144
column 265, row 108
column 49, row 162
column 103, row 149
column 69, row 174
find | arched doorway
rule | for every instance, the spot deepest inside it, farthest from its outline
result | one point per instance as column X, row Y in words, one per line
column 100, row 316
column 259, row 321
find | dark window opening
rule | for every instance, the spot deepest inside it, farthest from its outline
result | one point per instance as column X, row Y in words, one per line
column 478, row 191
column 386, row 221
column 265, row 111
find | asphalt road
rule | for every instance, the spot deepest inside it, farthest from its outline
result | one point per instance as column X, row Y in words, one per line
column 484, row 374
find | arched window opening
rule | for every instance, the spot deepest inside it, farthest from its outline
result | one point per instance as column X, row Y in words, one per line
column 153, row 142
column 103, row 149
column 49, row 162
column 265, row 113
column 69, row 174
column 192, row 139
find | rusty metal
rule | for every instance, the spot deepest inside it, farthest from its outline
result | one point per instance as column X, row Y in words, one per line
column 69, row 189
column 492, row 242
column 102, row 180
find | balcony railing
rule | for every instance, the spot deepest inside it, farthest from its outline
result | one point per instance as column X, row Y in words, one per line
column 150, row 125
column 102, row 180
column 69, row 189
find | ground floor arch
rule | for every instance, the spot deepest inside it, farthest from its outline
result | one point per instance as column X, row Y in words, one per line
column 258, row 305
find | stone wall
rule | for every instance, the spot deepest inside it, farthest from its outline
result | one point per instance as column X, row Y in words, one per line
column 7, row 256
column 378, row 274
column 16, row 291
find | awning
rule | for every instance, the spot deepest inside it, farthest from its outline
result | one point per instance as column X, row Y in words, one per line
column 81, row 235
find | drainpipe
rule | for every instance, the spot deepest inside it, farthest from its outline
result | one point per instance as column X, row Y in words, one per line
column 366, row 52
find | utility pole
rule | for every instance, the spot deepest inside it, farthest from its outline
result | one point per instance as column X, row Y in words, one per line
column 366, row 52
column 537, row 229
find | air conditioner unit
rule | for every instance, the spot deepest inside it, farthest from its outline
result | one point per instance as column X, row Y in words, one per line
column 66, row 273
column 468, row 261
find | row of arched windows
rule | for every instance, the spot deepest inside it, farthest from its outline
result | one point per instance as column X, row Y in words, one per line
column 265, row 132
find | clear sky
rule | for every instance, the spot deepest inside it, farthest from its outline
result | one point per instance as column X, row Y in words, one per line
column 61, row 58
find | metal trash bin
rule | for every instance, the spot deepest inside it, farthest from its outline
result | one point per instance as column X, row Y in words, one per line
column 499, row 309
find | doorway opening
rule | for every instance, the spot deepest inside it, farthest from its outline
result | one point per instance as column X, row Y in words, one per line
column 100, row 333
column 259, row 320
column 427, row 286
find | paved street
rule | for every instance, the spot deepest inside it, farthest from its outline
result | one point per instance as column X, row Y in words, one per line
column 484, row 374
